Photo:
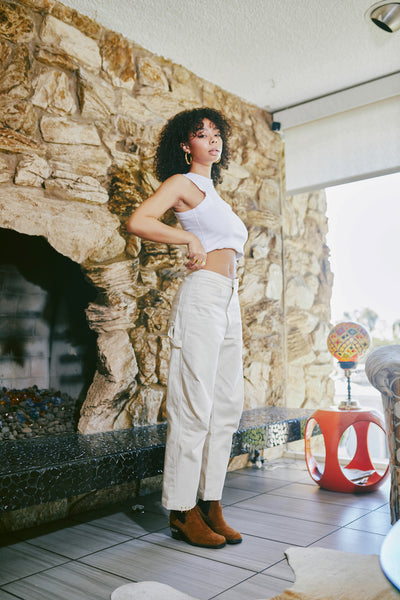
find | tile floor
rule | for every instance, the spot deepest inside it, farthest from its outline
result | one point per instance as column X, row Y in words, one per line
column 86, row 557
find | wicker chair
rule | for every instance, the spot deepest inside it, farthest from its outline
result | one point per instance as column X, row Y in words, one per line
column 383, row 371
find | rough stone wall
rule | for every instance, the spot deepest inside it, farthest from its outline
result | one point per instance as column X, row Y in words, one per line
column 308, row 288
column 81, row 110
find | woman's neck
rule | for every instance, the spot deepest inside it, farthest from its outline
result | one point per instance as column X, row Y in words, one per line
column 199, row 169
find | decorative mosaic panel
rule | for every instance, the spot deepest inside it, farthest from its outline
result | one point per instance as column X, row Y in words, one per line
column 41, row 470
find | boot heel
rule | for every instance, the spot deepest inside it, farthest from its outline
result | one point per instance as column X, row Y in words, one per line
column 176, row 534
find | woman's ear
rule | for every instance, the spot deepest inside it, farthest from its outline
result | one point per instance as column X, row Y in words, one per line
column 185, row 147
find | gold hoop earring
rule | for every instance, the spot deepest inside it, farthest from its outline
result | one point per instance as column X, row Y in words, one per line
column 217, row 161
column 188, row 159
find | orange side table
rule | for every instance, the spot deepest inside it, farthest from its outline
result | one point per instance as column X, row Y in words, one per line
column 359, row 475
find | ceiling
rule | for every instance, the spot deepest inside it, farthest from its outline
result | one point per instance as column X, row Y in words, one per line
column 273, row 53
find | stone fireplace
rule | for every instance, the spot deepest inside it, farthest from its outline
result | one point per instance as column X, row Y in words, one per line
column 81, row 110
column 48, row 352
column 45, row 338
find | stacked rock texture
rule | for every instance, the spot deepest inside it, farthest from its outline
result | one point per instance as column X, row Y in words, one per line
column 81, row 110
column 308, row 292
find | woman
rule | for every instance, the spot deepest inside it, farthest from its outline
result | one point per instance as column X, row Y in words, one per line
column 205, row 385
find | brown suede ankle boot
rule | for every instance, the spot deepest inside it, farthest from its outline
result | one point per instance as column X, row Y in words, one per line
column 211, row 511
column 190, row 527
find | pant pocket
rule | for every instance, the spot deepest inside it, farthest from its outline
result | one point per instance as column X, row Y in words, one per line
column 174, row 335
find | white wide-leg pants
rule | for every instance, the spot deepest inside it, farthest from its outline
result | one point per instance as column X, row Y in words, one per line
column 205, row 388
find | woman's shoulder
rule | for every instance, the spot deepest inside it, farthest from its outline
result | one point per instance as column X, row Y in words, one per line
column 176, row 181
column 181, row 188
column 175, row 185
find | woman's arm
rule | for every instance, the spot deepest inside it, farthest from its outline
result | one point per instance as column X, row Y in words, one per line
column 145, row 223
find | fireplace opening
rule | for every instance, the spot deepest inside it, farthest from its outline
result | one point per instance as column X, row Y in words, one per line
column 47, row 350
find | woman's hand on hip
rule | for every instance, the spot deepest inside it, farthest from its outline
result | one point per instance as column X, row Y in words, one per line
column 196, row 255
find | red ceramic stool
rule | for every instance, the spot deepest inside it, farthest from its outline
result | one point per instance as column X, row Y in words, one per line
column 359, row 475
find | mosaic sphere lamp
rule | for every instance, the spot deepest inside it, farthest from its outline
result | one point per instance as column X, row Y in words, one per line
column 348, row 342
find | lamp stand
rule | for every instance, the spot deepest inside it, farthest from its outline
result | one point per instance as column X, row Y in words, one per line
column 348, row 404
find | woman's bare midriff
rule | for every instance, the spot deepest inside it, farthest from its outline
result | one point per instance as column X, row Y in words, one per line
column 222, row 261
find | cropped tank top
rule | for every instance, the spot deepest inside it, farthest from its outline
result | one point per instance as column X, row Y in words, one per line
column 213, row 220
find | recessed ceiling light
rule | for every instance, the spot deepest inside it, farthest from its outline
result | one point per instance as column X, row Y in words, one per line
column 386, row 15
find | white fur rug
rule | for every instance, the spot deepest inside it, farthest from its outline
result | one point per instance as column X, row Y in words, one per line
column 332, row 575
column 148, row 590
column 320, row 575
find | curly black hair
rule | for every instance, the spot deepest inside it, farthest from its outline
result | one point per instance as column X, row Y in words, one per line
column 170, row 158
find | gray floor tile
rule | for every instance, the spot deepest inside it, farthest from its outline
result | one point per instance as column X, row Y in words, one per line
column 250, row 483
column 141, row 561
column 234, row 474
column 281, row 570
column 258, row 586
column 130, row 523
column 374, row 522
column 368, row 501
column 151, row 502
column 6, row 596
column 22, row 559
column 306, row 478
column 283, row 469
column 231, row 495
column 76, row 539
column 72, row 581
column 351, row 540
column 275, row 527
column 253, row 553
column 332, row 514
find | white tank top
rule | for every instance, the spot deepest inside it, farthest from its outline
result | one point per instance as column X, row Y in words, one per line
column 213, row 220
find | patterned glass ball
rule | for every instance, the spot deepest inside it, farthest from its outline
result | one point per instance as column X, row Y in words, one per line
column 348, row 341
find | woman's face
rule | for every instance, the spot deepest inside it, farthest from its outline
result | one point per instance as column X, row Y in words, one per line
column 205, row 145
